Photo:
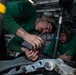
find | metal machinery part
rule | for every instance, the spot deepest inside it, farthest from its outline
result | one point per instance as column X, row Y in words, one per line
column 50, row 5
column 64, row 69
column 47, row 37
column 20, row 65
column 47, row 5
column 48, row 64
column 12, row 67
column 53, row 7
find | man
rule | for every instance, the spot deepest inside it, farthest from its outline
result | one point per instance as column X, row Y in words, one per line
column 66, row 45
column 16, row 42
column 21, row 19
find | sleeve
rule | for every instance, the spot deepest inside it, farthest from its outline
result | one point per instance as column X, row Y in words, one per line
column 18, row 11
column 15, row 44
column 28, row 10
column 72, row 47
column 50, row 48
column 9, row 23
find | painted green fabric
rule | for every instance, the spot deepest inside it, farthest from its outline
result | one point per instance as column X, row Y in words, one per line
column 19, row 14
column 15, row 44
column 69, row 47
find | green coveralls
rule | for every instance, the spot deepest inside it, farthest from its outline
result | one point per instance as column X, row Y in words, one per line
column 19, row 14
column 69, row 46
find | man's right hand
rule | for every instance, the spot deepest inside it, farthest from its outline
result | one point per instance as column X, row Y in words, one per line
column 34, row 40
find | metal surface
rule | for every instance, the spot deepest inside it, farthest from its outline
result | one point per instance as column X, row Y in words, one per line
column 14, row 66
column 57, row 36
column 40, row 64
column 21, row 65
column 64, row 69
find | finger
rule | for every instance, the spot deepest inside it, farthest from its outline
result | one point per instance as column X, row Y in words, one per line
column 35, row 54
column 31, row 55
column 38, row 44
column 41, row 40
column 24, row 49
column 33, row 45
column 70, row 58
column 28, row 54
column 34, row 59
column 66, row 53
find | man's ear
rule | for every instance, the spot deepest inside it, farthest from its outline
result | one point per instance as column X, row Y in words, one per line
column 37, row 20
column 40, row 15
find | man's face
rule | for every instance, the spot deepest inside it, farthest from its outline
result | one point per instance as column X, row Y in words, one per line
column 44, row 27
column 63, row 37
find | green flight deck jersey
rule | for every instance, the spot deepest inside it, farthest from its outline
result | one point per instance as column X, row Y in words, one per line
column 19, row 14
column 69, row 47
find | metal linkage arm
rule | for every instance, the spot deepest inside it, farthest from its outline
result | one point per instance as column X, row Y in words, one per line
column 14, row 66
column 20, row 65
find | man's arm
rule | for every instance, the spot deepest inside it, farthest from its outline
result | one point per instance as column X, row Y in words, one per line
column 72, row 47
column 34, row 40
column 12, row 26
column 15, row 44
